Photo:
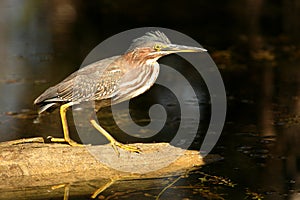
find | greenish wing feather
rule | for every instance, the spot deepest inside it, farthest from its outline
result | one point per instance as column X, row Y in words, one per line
column 84, row 84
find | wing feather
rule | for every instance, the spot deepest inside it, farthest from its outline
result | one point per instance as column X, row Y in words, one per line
column 82, row 85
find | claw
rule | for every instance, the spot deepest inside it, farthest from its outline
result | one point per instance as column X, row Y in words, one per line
column 61, row 140
column 129, row 148
column 113, row 142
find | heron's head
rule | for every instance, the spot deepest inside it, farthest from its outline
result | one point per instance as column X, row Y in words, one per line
column 154, row 45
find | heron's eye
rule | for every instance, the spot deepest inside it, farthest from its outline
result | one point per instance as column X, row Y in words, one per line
column 157, row 47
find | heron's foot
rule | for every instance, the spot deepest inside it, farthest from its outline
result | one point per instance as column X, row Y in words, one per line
column 130, row 148
column 63, row 140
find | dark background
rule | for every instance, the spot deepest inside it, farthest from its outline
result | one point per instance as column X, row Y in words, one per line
column 255, row 44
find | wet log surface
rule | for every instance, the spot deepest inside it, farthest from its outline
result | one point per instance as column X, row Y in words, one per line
column 33, row 169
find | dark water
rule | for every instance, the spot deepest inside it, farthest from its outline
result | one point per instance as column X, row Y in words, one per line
column 254, row 43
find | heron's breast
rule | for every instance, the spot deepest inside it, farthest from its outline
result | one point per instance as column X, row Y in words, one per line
column 137, row 82
column 147, row 79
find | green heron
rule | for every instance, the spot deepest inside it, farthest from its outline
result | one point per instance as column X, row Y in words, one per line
column 111, row 81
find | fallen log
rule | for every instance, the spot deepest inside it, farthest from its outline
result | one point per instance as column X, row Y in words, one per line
column 34, row 169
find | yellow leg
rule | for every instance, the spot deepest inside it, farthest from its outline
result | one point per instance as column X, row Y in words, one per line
column 63, row 110
column 113, row 141
column 66, row 188
column 102, row 188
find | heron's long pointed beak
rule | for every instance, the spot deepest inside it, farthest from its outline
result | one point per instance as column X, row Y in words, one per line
column 174, row 48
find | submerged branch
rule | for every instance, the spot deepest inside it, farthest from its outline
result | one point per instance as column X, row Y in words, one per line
column 33, row 168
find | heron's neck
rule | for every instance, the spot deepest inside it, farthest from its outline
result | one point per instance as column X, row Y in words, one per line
column 138, row 59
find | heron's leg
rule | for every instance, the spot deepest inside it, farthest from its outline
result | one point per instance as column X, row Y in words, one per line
column 112, row 140
column 103, row 187
column 63, row 110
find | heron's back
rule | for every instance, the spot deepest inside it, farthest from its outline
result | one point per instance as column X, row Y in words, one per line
column 93, row 82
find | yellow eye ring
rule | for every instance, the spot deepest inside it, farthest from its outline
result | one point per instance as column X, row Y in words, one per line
column 157, row 47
